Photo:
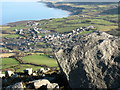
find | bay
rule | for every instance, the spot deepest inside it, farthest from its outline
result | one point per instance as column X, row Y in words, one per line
column 19, row 11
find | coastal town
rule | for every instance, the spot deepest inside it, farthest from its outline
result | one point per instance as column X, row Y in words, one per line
column 31, row 36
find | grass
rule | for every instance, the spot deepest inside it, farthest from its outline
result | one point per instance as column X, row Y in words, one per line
column 8, row 62
column 4, row 27
column 40, row 59
column 2, row 48
column 3, row 35
column 18, row 27
column 21, row 67
column 98, row 21
column 41, row 34
column 85, row 32
column 13, row 64
column 109, row 17
column 73, row 22
column 105, row 28
column 12, row 36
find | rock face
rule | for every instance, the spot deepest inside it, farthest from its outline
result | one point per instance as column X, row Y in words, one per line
column 93, row 61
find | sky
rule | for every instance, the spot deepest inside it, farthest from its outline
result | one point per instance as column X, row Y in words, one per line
column 64, row 0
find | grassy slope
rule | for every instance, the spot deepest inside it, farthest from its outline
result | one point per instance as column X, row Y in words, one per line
column 8, row 62
column 11, row 35
column 13, row 64
column 40, row 59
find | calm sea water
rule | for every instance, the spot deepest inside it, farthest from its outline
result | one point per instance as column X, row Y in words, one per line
column 18, row 11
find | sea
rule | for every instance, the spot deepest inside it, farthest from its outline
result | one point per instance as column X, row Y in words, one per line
column 20, row 11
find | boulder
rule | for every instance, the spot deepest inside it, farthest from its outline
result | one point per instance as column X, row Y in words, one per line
column 2, row 75
column 15, row 76
column 91, row 61
column 9, row 73
column 34, row 74
column 40, row 82
column 44, row 82
column 43, row 70
column 16, row 86
column 28, row 71
column 53, row 85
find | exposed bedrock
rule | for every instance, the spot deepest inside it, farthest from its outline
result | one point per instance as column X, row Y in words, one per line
column 93, row 62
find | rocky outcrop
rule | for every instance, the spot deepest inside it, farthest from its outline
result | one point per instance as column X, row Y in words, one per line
column 35, row 84
column 92, row 61
column 16, row 86
column 44, row 83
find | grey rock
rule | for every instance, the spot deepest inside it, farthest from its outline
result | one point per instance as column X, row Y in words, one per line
column 53, row 85
column 28, row 71
column 16, row 86
column 9, row 73
column 41, row 82
column 2, row 75
column 15, row 76
column 93, row 61
column 44, row 82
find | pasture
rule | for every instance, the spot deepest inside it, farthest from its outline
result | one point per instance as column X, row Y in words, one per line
column 40, row 60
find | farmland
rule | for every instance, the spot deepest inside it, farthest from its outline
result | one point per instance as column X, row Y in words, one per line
column 40, row 59
column 26, row 47
column 15, row 65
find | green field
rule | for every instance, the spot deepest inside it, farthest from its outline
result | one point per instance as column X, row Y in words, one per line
column 13, row 64
column 73, row 22
column 40, row 59
column 9, row 62
column 21, row 67
column 85, row 32
column 12, row 36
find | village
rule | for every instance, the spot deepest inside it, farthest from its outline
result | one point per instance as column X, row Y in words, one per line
column 32, row 37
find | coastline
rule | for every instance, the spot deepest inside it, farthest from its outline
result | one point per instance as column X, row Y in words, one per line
column 71, row 10
column 47, row 5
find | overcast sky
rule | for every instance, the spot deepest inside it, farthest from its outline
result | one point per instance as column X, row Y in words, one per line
column 64, row 0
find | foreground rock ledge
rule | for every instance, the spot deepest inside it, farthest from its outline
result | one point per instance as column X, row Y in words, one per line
column 93, row 62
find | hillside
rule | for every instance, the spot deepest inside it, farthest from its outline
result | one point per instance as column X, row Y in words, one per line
column 85, row 46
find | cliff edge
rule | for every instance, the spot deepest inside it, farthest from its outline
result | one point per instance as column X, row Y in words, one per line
column 92, row 61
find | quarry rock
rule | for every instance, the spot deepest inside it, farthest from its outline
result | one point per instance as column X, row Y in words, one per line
column 92, row 61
